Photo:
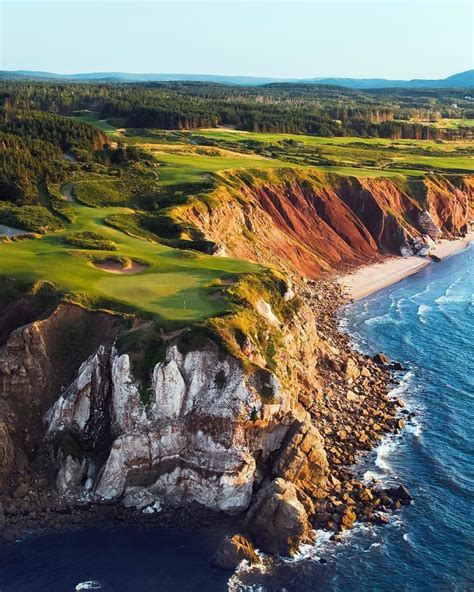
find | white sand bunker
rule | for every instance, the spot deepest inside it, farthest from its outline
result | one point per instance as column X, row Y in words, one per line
column 129, row 266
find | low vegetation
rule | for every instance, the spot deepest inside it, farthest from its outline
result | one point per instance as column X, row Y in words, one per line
column 89, row 240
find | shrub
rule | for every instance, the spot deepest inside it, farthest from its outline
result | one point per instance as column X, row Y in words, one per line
column 89, row 240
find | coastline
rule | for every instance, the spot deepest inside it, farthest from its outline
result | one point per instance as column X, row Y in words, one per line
column 374, row 277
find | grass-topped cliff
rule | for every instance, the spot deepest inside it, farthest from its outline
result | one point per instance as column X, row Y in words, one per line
column 129, row 221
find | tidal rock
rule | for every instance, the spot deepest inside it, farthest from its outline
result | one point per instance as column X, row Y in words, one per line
column 381, row 359
column 396, row 366
column 399, row 493
column 348, row 518
column 233, row 550
column 278, row 521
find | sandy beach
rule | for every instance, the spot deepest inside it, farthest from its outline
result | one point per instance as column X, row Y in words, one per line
column 371, row 278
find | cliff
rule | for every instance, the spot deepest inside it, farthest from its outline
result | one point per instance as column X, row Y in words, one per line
column 258, row 413
column 315, row 223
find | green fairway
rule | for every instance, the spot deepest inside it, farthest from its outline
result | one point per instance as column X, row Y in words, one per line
column 178, row 168
column 356, row 156
column 175, row 286
column 360, row 157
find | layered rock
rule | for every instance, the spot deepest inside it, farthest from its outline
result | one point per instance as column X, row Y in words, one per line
column 205, row 435
column 315, row 223
column 35, row 364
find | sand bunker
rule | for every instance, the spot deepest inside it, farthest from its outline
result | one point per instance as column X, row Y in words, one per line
column 115, row 266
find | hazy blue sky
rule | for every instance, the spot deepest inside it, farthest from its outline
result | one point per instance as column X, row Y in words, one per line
column 403, row 39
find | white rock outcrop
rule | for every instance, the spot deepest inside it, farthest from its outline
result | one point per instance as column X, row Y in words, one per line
column 199, row 439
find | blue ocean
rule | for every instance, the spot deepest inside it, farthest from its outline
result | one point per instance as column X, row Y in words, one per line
column 427, row 323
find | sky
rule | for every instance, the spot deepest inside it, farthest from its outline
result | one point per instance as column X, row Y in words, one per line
column 388, row 39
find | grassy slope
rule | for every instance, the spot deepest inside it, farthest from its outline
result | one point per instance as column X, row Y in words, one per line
column 176, row 285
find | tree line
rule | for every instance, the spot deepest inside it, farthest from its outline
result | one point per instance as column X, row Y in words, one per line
column 273, row 108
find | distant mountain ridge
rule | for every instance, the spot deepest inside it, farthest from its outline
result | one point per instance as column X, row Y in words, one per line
column 460, row 80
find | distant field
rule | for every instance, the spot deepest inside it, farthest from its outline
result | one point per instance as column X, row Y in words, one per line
column 93, row 118
column 179, row 152
column 357, row 156
column 447, row 123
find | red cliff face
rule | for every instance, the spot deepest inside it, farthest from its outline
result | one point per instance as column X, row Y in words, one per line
column 450, row 203
column 315, row 223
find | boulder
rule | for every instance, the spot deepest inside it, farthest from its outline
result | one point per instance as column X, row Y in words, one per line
column 233, row 550
column 21, row 490
column 381, row 359
column 351, row 370
column 399, row 493
column 71, row 474
column 278, row 521
column 396, row 366
column 348, row 518
column 138, row 497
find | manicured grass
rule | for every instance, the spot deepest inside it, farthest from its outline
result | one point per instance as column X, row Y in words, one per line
column 356, row 156
column 93, row 118
column 179, row 168
column 175, row 287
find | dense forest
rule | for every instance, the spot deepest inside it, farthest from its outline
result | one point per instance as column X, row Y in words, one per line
column 39, row 144
column 38, row 148
column 288, row 108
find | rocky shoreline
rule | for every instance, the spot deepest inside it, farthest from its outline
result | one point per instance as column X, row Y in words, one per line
column 352, row 410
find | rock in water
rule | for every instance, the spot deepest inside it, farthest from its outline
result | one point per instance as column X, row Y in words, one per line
column 233, row 550
column 278, row 521
column 399, row 493
column 381, row 359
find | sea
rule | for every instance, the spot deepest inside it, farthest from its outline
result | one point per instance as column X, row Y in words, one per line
column 426, row 322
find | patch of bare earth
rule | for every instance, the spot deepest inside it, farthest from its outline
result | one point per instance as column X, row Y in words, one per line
column 119, row 267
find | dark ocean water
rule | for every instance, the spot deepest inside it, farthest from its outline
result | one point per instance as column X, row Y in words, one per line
column 427, row 323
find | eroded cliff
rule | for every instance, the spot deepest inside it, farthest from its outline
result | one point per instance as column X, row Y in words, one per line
column 315, row 223
column 260, row 412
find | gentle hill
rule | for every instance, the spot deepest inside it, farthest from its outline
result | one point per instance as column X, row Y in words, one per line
column 459, row 80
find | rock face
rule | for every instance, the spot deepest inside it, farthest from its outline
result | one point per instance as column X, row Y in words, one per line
column 6, row 453
column 315, row 223
column 196, row 440
column 35, row 363
column 233, row 550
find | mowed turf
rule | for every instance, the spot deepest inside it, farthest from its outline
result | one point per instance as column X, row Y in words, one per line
column 176, row 284
column 188, row 168
column 359, row 157
column 175, row 287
